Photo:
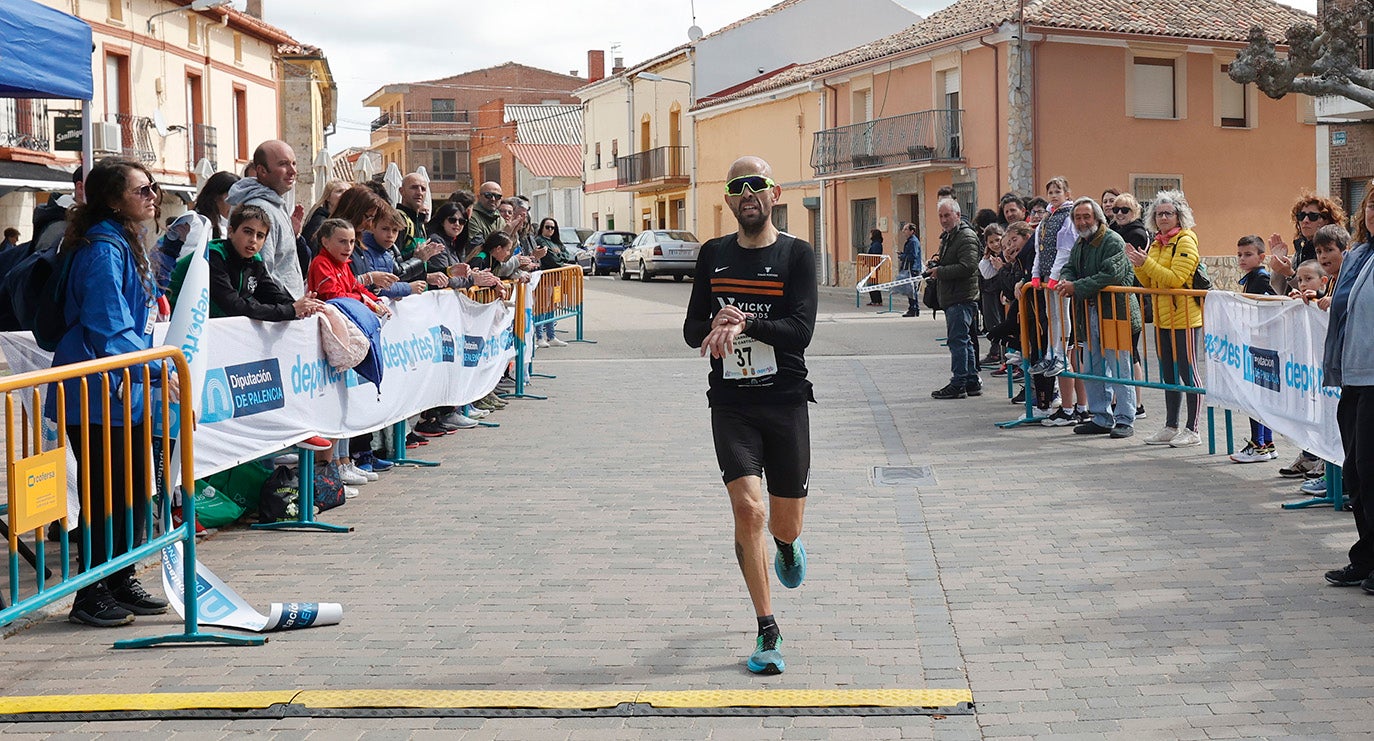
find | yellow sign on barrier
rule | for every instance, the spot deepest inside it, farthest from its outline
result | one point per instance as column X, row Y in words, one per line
column 38, row 490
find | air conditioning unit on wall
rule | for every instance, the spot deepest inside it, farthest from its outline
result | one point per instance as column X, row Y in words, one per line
column 107, row 137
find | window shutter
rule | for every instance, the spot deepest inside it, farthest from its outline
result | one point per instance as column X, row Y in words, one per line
column 1231, row 100
column 1154, row 88
column 951, row 81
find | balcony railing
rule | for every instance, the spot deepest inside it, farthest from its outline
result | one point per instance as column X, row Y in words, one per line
column 202, row 143
column 423, row 122
column 912, row 138
column 660, row 166
column 135, row 141
column 24, row 124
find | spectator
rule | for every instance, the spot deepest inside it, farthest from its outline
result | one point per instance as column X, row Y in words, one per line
column 330, row 275
column 909, row 263
column 956, row 276
column 1054, row 239
column 983, row 218
column 1254, row 280
column 1347, row 363
column 1169, row 264
column 989, row 301
column 1310, row 213
column 1108, row 200
column 875, row 247
column 1125, row 217
column 1011, row 209
column 110, row 306
column 414, row 206
column 377, row 257
column 485, row 217
column 447, row 228
column 50, row 219
column 1314, row 279
column 554, row 257
column 1313, row 284
column 274, row 175
column 11, row 239
column 1097, row 261
column 322, row 208
column 1011, row 274
column 359, row 206
column 212, row 202
column 1037, row 209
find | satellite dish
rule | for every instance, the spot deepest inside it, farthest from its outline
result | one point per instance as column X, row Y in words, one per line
column 694, row 33
column 160, row 124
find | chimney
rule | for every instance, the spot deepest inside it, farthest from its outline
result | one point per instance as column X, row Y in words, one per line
column 596, row 65
column 619, row 66
column 254, row 8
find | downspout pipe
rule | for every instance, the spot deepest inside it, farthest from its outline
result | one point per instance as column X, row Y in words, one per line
column 832, row 257
column 996, row 113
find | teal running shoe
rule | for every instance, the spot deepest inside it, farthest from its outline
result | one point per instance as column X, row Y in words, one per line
column 767, row 659
column 791, row 567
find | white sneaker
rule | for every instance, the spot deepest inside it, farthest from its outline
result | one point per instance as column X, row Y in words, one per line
column 351, row 476
column 370, row 476
column 1185, row 439
column 541, row 343
column 1165, row 436
column 555, row 342
column 1254, row 453
column 350, row 492
column 286, row 459
column 474, row 413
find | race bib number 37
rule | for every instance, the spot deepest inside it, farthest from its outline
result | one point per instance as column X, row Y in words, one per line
column 751, row 359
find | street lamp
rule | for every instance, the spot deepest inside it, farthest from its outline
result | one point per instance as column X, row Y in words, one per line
column 196, row 5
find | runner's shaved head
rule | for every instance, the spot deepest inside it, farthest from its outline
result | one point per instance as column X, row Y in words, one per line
column 749, row 165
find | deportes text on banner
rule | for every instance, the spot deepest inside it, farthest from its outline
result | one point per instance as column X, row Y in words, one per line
column 1264, row 359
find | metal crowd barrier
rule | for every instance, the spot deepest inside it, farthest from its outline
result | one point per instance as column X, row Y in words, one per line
column 37, row 483
column 877, row 276
column 558, row 296
column 1111, row 336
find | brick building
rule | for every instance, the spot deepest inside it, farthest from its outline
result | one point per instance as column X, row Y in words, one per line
column 435, row 123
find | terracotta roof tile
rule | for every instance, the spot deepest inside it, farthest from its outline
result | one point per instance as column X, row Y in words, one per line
column 1216, row 20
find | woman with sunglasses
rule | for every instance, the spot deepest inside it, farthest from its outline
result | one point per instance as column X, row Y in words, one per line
column 109, row 308
column 1310, row 213
column 554, row 257
column 448, row 226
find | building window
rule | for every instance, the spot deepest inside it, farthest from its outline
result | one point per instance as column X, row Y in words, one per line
column 192, row 33
column 966, row 195
column 1144, row 187
column 596, row 159
column 1232, row 106
column 949, row 83
column 1353, row 190
column 443, row 164
column 238, row 48
column 116, row 10
column 863, row 215
column 780, row 217
column 491, row 171
column 615, row 152
column 240, row 124
column 596, row 221
column 116, row 85
column 1154, row 91
column 442, row 110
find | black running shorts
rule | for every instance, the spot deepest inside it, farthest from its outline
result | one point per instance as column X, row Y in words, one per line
column 768, row 440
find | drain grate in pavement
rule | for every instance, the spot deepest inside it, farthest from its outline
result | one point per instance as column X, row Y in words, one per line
column 903, row 476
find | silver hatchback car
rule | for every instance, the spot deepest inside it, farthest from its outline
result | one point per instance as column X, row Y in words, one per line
column 660, row 252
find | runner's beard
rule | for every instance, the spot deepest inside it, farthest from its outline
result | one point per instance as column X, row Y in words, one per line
column 752, row 224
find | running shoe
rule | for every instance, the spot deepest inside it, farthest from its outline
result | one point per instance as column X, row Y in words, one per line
column 369, row 462
column 1314, row 487
column 316, row 443
column 414, row 441
column 133, row 597
column 1059, row 418
column 430, row 428
column 767, row 658
column 1186, row 438
column 1165, row 436
column 555, row 342
column 790, row 565
column 1056, row 366
column 1253, row 452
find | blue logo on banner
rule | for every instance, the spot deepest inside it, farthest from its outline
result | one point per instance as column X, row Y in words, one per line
column 472, row 350
column 444, row 346
column 242, row 390
column 1264, row 368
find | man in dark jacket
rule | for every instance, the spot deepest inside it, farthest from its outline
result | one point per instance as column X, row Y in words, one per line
column 956, row 282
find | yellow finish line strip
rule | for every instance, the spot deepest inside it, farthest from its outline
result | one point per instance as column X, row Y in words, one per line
column 486, row 699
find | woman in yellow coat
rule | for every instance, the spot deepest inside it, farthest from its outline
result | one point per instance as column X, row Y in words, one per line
column 1169, row 263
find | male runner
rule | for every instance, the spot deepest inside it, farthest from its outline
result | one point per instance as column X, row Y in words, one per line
column 753, row 309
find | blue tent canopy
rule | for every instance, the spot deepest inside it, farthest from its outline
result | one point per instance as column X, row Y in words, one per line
column 44, row 53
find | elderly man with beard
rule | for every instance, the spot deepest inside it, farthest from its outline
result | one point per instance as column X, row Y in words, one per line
column 753, row 310
column 1097, row 260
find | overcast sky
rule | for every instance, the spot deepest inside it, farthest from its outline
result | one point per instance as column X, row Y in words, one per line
column 373, row 44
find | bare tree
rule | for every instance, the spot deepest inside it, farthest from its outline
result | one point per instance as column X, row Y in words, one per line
column 1321, row 60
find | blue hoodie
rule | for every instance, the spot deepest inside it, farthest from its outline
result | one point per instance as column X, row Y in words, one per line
column 373, row 256
column 107, row 308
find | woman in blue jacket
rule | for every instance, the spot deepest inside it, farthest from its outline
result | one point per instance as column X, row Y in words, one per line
column 110, row 308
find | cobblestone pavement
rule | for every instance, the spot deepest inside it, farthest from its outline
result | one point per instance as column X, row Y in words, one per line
column 1079, row 587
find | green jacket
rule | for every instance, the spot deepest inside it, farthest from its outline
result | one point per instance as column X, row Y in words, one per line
column 957, row 279
column 1094, row 264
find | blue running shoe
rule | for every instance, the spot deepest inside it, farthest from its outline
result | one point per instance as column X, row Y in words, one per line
column 767, row 659
column 368, row 461
column 791, row 568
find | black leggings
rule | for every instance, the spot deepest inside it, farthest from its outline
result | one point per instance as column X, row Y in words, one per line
column 92, row 471
column 1177, row 349
column 1355, row 418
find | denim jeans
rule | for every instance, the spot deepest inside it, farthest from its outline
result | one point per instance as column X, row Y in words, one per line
column 544, row 331
column 963, row 361
column 1113, row 364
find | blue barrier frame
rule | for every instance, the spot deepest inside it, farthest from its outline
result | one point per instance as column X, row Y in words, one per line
column 305, row 502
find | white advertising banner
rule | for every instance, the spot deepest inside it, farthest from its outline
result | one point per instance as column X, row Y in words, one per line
column 218, row 604
column 1264, row 360
column 268, row 384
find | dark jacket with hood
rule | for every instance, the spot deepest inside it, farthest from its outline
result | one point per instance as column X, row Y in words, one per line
column 238, row 287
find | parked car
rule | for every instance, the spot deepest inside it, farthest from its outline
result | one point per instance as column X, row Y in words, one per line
column 572, row 240
column 605, row 248
column 660, row 252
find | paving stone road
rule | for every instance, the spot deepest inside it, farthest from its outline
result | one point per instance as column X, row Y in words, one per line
column 1081, row 588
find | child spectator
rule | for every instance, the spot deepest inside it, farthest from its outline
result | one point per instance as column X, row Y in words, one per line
column 1254, row 281
column 378, row 256
column 988, row 294
column 330, row 276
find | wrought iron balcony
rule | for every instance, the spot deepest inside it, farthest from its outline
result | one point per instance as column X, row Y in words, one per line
column 135, row 139
column 662, row 167
column 423, row 122
column 202, row 143
column 908, row 139
column 24, row 124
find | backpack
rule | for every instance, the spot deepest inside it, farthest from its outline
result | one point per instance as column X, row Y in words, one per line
column 1201, row 280
column 37, row 289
